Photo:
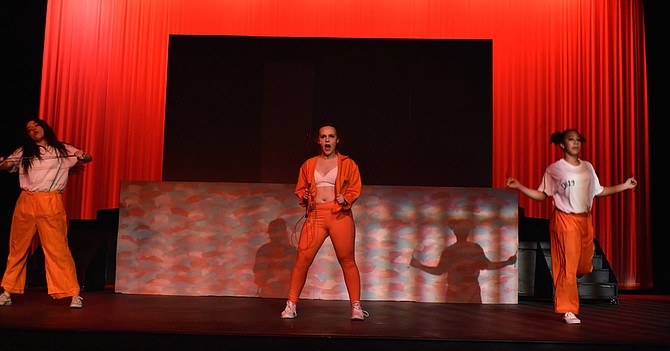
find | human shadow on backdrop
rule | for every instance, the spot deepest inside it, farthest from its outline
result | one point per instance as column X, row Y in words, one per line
column 411, row 112
column 462, row 262
column 274, row 261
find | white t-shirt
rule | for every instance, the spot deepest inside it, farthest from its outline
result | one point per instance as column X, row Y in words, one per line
column 48, row 174
column 572, row 187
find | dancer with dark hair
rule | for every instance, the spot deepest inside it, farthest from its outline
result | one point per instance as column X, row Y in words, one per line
column 43, row 163
column 328, row 185
column 573, row 184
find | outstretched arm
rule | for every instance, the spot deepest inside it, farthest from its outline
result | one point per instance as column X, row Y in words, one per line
column 630, row 183
column 501, row 264
column 437, row 270
column 513, row 183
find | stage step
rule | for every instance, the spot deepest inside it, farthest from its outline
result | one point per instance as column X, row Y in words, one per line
column 600, row 284
column 535, row 273
column 598, row 276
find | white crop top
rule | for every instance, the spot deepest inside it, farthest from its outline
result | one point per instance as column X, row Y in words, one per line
column 326, row 180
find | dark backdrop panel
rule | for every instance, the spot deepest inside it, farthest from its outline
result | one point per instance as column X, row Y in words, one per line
column 21, row 64
column 409, row 112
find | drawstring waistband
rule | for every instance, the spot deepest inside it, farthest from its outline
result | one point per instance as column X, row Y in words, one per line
column 42, row 193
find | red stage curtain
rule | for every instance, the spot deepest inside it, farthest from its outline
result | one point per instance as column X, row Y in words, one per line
column 556, row 64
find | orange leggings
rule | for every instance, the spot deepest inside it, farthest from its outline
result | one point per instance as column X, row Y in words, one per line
column 321, row 223
column 572, row 252
column 43, row 213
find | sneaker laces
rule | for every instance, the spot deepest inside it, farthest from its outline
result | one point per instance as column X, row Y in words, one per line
column 357, row 312
column 5, row 299
column 76, row 301
column 570, row 318
column 290, row 311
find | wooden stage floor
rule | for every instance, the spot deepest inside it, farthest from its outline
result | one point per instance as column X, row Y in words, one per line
column 112, row 321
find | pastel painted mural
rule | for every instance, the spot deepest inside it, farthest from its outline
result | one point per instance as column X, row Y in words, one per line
column 423, row 244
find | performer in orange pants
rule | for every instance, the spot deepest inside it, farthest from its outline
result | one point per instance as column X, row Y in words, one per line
column 328, row 185
column 323, row 222
column 572, row 251
column 41, row 213
column 573, row 184
column 44, row 164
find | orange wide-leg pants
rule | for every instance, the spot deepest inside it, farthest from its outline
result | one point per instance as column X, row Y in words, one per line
column 44, row 214
column 572, row 250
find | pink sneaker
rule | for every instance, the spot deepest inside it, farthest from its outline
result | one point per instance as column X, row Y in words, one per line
column 5, row 300
column 77, row 302
column 290, row 311
column 570, row 318
column 358, row 313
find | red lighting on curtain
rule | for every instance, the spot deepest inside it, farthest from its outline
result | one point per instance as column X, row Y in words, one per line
column 556, row 64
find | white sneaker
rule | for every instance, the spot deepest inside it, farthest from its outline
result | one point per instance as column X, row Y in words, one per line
column 358, row 313
column 5, row 299
column 290, row 311
column 77, row 302
column 570, row 318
